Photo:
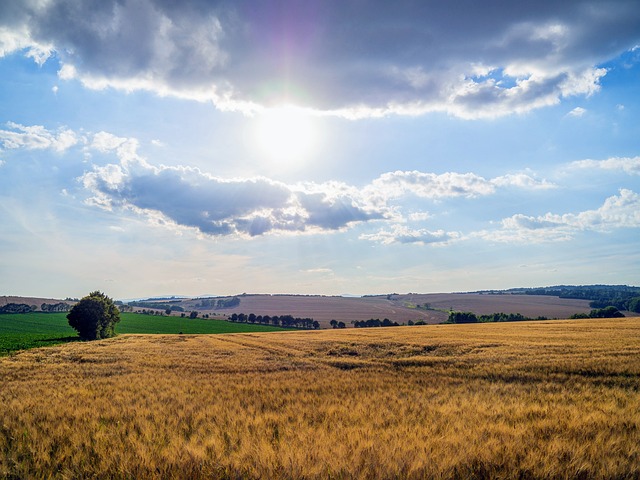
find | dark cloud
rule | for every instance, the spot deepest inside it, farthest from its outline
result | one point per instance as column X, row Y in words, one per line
column 380, row 56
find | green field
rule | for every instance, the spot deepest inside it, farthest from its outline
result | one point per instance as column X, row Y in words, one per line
column 31, row 330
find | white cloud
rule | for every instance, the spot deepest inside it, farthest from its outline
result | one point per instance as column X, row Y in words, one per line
column 618, row 211
column 419, row 216
column 629, row 165
column 450, row 184
column 324, row 271
column 404, row 235
column 494, row 60
column 577, row 112
column 36, row 137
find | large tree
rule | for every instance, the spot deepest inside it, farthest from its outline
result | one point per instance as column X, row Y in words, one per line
column 94, row 317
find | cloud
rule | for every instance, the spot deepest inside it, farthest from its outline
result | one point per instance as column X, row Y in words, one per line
column 182, row 196
column 618, row 211
column 355, row 59
column 187, row 197
column 577, row 112
column 446, row 185
column 403, row 235
column 629, row 165
column 36, row 137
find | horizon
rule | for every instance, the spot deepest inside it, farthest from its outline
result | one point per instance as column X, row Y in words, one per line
column 317, row 148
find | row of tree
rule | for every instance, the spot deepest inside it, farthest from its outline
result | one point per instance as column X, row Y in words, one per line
column 469, row 317
column 374, row 322
column 286, row 321
column 622, row 297
column 45, row 307
column 606, row 312
column 218, row 303
column 17, row 308
column 156, row 305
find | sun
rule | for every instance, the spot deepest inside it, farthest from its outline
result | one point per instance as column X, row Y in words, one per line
column 286, row 135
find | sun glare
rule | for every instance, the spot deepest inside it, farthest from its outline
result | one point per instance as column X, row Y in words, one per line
column 286, row 135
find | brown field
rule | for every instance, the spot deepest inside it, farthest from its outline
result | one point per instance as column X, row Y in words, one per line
column 483, row 304
column 555, row 399
column 401, row 308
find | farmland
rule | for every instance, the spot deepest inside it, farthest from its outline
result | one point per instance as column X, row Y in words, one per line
column 553, row 399
column 22, row 331
column 400, row 308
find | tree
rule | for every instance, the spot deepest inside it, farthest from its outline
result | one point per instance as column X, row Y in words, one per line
column 462, row 317
column 607, row 312
column 634, row 305
column 94, row 316
column 193, row 315
column 334, row 323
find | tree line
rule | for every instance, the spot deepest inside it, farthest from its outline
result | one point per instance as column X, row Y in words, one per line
column 622, row 297
column 214, row 303
column 24, row 308
column 606, row 312
column 469, row 317
column 286, row 321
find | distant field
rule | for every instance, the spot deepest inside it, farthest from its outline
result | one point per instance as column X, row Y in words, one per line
column 401, row 308
column 483, row 304
column 552, row 399
column 22, row 331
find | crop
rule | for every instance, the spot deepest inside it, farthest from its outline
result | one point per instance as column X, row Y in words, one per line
column 31, row 330
column 554, row 399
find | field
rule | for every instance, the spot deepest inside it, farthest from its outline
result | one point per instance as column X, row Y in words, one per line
column 553, row 399
column 22, row 331
column 401, row 308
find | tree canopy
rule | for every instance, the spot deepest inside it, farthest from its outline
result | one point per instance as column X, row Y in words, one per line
column 94, row 316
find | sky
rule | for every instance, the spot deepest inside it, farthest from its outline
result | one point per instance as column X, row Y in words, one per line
column 201, row 147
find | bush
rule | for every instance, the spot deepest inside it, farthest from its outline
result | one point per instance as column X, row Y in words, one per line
column 462, row 317
column 94, row 317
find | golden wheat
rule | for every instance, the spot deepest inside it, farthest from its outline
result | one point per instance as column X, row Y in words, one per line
column 530, row 400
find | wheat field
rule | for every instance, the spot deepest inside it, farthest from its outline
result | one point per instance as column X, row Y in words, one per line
column 554, row 399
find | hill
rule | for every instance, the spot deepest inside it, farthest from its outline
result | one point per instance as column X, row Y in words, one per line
column 430, row 308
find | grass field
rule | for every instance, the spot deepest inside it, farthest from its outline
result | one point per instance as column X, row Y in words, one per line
column 554, row 399
column 23, row 331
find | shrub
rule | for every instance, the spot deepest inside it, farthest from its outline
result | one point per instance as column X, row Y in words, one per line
column 94, row 316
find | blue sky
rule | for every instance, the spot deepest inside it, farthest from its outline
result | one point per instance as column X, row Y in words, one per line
column 151, row 148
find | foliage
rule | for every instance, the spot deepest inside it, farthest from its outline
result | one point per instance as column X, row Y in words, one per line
column 170, row 306
column 16, row 308
column 601, row 296
column 94, row 317
column 375, row 322
column 607, row 312
column 215, row 303
column 286, row 321
column 634, row 305
column 468, row 317
column 462, row 317
column 55, row 307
